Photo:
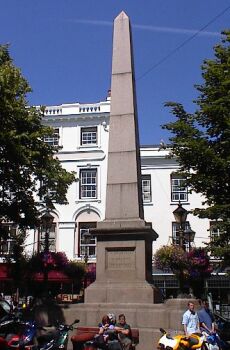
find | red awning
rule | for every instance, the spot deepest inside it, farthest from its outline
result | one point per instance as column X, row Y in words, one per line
column 53, row 276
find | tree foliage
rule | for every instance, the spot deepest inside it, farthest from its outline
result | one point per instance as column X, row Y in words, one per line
column 26, row 161
column 201, row 142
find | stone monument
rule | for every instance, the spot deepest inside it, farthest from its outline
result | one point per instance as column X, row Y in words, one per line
column 124, row 239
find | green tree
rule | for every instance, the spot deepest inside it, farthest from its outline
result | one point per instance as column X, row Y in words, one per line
column 201, row 142
column 26, row 161
column 76, row 271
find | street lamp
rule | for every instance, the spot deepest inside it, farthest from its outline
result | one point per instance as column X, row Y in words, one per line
column 86, row 241
column 185, row 234
column 189, row 235
column 86, row 236
column 180, row 215
column 4, row 234
column 47, row 222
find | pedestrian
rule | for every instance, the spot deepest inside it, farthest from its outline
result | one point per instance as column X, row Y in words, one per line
column 190, row 320
column 206, row 318
column 207, row 326
column 124, row 332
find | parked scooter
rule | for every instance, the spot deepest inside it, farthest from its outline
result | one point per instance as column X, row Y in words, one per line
column 8, row 326
column 195, row 341
column 55, row 339
column 25, row 337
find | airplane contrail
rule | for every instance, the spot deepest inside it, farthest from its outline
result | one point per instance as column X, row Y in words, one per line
column 148, row 27
column 174, row 30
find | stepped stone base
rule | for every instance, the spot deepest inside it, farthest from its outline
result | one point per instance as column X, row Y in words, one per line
column 132, row 292
column 148, row 318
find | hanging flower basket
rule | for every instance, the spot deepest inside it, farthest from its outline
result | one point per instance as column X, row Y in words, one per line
column 189, row 267
column 49, row 261
column 171, row 257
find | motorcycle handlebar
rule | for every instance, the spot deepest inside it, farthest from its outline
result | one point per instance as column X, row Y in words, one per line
column 162, row 331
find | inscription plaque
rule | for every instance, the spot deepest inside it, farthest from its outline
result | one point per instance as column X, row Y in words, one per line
column 123, row 258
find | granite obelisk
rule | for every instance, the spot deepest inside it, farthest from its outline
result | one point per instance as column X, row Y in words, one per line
column 124, row 239
column 123, row 194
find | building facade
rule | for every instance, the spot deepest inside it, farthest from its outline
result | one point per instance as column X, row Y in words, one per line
column 82, row 133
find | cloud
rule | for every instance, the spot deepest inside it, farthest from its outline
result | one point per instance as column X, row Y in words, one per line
column 148, row 28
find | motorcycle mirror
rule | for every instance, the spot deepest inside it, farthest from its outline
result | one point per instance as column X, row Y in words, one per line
column 162, row 331
column 76, row 321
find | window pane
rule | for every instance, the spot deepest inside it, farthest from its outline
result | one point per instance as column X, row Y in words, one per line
column 179, row 190
column 89, row 136
column 52, row 140
column 87, row 247
column 146, row 188
column 7, row 243
column 88, row 180
column 51, row 238
column 176, row 234
column 214, row 231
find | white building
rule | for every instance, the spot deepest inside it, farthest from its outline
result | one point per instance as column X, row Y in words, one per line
column 82, row 131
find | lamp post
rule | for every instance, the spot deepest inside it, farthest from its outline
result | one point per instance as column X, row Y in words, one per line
column 86, row 240
column 189, row 236
column 180, row 215
column 47, row 222
column 3, row 231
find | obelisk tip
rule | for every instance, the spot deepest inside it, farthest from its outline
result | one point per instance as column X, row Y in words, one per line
column 122, row 15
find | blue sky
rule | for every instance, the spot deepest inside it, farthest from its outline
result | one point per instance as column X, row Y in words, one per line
column 64, row 48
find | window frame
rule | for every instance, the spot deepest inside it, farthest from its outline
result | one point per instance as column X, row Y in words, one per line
column 179, row 193
column 146, row 177
column 52, row 240
column 7, row 245
column 53, row 140
column 214, row 231
column 176, row 234
column 92, row 246
column 84, row 170
column 89, row 132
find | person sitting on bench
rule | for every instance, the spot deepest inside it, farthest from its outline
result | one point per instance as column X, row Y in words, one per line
column 124, row 332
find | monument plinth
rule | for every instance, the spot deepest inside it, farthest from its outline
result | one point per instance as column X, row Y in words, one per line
column 124, row 239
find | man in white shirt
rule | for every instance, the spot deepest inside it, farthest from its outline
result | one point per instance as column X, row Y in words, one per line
column 190, row 320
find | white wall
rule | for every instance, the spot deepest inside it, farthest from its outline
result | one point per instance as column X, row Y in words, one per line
column 69, row 119
column 160, row 210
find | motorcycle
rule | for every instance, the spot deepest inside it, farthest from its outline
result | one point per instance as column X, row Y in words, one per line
column 8, row 329
column 25, row 337
column 195, row 341
column 55, row 339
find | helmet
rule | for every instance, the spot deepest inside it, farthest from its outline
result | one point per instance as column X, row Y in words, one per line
column 112, row 318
